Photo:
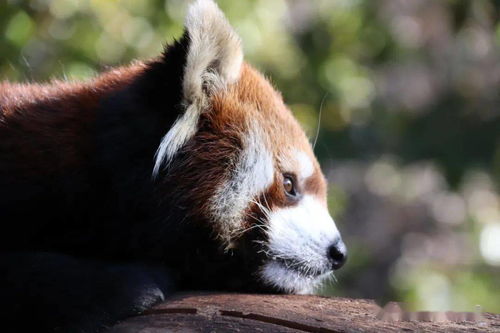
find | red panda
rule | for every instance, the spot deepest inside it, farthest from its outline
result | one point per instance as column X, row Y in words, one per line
column 184, row 172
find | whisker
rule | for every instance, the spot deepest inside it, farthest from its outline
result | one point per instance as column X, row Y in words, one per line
column 260, row 225
column 268, row 207
column 263, row 209
column 319, row 120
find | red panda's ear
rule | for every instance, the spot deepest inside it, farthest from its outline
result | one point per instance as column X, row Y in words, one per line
column 214, row 55
column 213, row 60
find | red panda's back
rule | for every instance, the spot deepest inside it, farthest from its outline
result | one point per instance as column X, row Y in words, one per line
column 45, row 128
column 47, row 140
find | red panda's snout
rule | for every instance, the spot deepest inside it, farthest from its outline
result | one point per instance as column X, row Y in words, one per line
column 304, row 247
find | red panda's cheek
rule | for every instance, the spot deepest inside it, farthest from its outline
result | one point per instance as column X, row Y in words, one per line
column 249, row 174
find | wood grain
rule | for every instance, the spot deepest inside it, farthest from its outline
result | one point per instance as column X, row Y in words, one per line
column 223, row 312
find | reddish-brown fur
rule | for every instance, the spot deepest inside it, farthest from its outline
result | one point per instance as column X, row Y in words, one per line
column 30, row 113
column 253, row 98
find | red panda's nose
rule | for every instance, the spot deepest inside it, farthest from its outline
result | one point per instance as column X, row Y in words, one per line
column 337, row 254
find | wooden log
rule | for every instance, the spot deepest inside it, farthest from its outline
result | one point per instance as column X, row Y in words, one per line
column 224, row 312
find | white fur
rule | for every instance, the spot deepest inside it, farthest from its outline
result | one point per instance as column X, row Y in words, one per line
column 252, row 174
column 213, row 61
column 306, row 165
column 288, row 280
column 183, row 129
column 301, row 234
column 215, row 52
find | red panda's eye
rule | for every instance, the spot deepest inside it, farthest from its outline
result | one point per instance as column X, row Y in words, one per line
column 289, row 185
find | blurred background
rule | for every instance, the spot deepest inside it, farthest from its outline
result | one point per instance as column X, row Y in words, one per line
column 409, row 137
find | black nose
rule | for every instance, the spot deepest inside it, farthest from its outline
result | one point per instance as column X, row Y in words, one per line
column 337, row 254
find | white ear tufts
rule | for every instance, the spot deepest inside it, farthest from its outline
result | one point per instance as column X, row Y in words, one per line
column 215, row 56
column 213, row 61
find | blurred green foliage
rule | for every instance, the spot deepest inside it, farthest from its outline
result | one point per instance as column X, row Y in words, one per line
column 409, row 93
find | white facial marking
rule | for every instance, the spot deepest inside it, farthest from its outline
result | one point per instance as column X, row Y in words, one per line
column 291, row 281
column 253, row 173
column 299, row 238
column 213, row 61
column 183, row 129
column 305, row 163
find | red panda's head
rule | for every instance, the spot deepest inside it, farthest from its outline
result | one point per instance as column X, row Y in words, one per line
column 246, row 163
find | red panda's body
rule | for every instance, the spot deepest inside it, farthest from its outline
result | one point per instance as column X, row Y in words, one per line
column 187, row 171
column 53, row 145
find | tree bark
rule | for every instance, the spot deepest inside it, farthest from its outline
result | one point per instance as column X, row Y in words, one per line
column 223, row 312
